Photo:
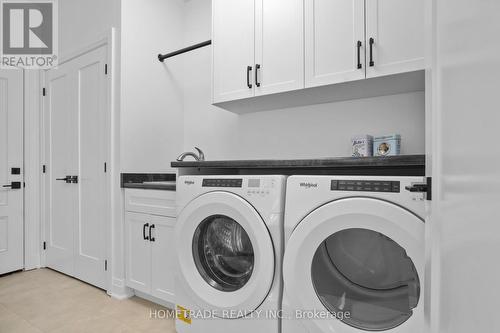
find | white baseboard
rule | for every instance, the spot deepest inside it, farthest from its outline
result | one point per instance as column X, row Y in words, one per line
column 119, row 290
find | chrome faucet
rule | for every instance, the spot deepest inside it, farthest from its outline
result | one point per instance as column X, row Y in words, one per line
column 198, row 157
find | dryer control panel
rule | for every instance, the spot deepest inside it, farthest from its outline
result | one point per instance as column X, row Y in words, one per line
column 366, row 186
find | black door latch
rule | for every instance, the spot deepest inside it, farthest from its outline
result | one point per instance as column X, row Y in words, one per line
column 422, row 188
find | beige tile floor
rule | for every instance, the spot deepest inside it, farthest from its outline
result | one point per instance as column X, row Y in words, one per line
column 46, row 301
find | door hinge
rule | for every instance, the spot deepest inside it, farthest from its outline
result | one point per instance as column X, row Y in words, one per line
column 44, row 92
column 44, row 168
column 105, row 265
column 106, row 69
column 45, row 245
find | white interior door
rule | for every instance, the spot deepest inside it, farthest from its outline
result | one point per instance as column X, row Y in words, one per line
column 333, row 29
column 77, row 146
column 233, row 49
column 464, row 230
column 11, row 156
column 61, row 131
column 279, row 46
column 93, row 205
column 396, row 28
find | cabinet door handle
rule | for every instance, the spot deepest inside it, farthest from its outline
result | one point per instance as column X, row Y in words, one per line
column 372, row 41
column 144, row 231
column 359, row 54
column 257, row 83
column 249, row 69
column 151, row 238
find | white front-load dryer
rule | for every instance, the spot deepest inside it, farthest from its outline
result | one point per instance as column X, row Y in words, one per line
column 228, row 239
column 354, row 254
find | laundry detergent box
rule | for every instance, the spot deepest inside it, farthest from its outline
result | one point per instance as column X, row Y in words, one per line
column 362, row 146
column 388, row 145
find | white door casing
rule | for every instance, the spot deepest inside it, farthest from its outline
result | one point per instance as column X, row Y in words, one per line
column 400, row 225
column 279, row 46
column 11, row 156
column 253, row 293
column 332, row 30
column 233, row 47
column 397, row 29
column 76, row 137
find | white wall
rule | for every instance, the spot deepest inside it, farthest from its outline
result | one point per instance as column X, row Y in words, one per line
column 306, row 132
column 151, row 92
column 82, row 22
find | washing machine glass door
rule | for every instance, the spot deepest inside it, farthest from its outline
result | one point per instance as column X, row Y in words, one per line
column 225, row 255
column 361, row 260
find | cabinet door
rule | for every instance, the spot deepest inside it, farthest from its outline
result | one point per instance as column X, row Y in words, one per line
column 138, row 251
column 396, row 28
column 279, row 46
column 163, row 258
column 333, row 29
column 233, row 41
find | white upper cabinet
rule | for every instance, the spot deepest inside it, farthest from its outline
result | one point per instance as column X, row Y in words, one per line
column 265, row 47
column 279, row 46
column 334, row 41
column 233, row 49
column 395, row 28
column 258, row 48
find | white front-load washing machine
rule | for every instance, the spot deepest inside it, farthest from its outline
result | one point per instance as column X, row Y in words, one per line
column 228, row 239
column 354, row 254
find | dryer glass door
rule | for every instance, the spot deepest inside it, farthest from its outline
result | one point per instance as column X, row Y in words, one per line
column 223, row 253
column 368, row 275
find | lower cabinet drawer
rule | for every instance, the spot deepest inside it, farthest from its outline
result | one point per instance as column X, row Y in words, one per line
column 156, row 202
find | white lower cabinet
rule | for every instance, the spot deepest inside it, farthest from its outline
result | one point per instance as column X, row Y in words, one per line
column 162, row 258
column 150, row 252
column 138, row 252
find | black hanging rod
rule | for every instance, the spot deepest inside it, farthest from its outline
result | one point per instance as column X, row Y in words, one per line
column 162, row 57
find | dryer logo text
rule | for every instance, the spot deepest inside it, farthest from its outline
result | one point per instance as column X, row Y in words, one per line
column 309, row 185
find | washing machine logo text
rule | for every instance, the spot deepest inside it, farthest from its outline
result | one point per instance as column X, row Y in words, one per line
column 309, row 185
column 189, row 182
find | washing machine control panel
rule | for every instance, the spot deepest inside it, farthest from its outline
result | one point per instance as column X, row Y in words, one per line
column 223, row 182
column 366, row 186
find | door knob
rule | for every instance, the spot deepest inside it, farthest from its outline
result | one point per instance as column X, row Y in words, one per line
column 74, row 179
column 13, row 185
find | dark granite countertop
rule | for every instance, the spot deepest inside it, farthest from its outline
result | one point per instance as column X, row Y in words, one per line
column 406, row 165
column 149, row 181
